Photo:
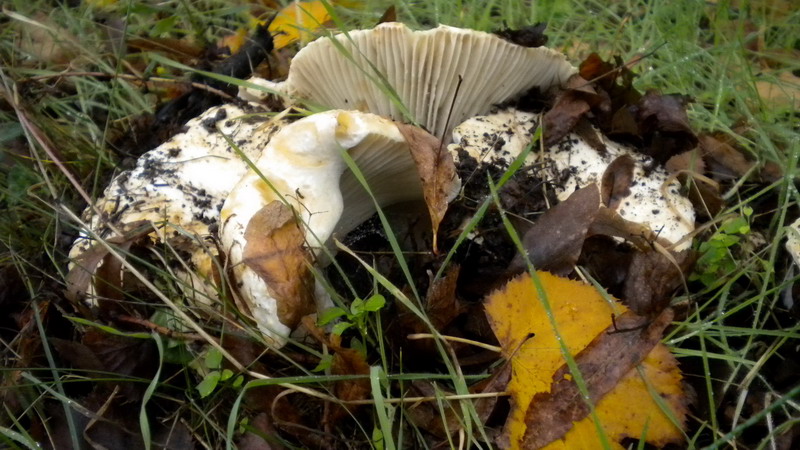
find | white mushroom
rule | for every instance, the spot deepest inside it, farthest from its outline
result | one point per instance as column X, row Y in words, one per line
column 414, row 75
column 180, row 186
column 303, row 166
column 793, row 241
column 654, row 199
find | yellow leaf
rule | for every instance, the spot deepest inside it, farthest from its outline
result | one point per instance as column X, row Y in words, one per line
column 581, row 315
column 234, row 41
column 297, row 21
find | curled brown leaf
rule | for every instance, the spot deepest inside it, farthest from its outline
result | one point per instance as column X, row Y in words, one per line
column 275, row 251
column 436, row 170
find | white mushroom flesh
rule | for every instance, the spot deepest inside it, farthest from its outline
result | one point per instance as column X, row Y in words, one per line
column 654, row 199
column 793, row 241
column 379, row 69
column 180, row 186
column 303, row 166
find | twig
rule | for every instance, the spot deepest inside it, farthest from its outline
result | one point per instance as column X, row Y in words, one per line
column 137, row 78
column 172, row 334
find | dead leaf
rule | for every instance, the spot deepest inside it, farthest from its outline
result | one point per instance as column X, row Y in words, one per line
column 581, row 314
column 529, row 36
column 689, row 161
column 436, row 170
column 48, row 42
column 664, row 125
column 297, row 21
column 723, row 159
column 275, row 251
column 554, row 242
column 570, row 106
column 781, row 91
column 439, row 419
column 390, row 15
column 348, row 361
column 441, row 303
column 602, row 363
column 652, row 278
column 609, row 223
column 616, row 181
column 107, row 280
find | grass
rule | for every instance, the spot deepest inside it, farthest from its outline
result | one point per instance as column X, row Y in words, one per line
column 733, row 343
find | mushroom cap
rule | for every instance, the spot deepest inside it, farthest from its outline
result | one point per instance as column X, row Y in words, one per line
column 303, row 166
column 654, row 198
column 182, row 184
column 408, row 75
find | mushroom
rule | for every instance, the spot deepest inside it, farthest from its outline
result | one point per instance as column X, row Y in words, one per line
column 573, row 163
column 303, row 166
column 435, row 78
column 180, row 187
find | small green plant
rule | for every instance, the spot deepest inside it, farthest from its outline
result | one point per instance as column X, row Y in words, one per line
column 716, row 258
column 215, row 374
column 356, row 316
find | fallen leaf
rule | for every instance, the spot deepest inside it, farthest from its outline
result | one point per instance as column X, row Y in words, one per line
column 442, row 417
column 441, row 303
column 609, row 223
column 652, row 278
column 664, row 125
column 348, row 361
column 555, row 240
column 85, row 274
column 521, row 325
column 689, row 161
column 570, row 106
column 529, row 36
column 723, row 159
column 297, row 21
column 614, row 81
column 47, row 42
column 690, row 169
column 275, row 251
column 616, row 181
column 436, row 170
column 780, row 90
column 603, row 363
column 390, row 15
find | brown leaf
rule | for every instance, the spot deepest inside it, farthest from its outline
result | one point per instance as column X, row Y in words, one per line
column 614, row 81
column 602, row 364
column 664, row 125
column 689, row 161
column 390, row 15
column 570, row 106
column 107, row 280
column 436, row 170
column 347, row 361
column 723, row 159
column 275, row 251
column 616, row 182
column 609, row 223
column 554, row 242
column 530, row 36
column 689, row 167
column 652, row 278
column 441, row 303
column 440, row 419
